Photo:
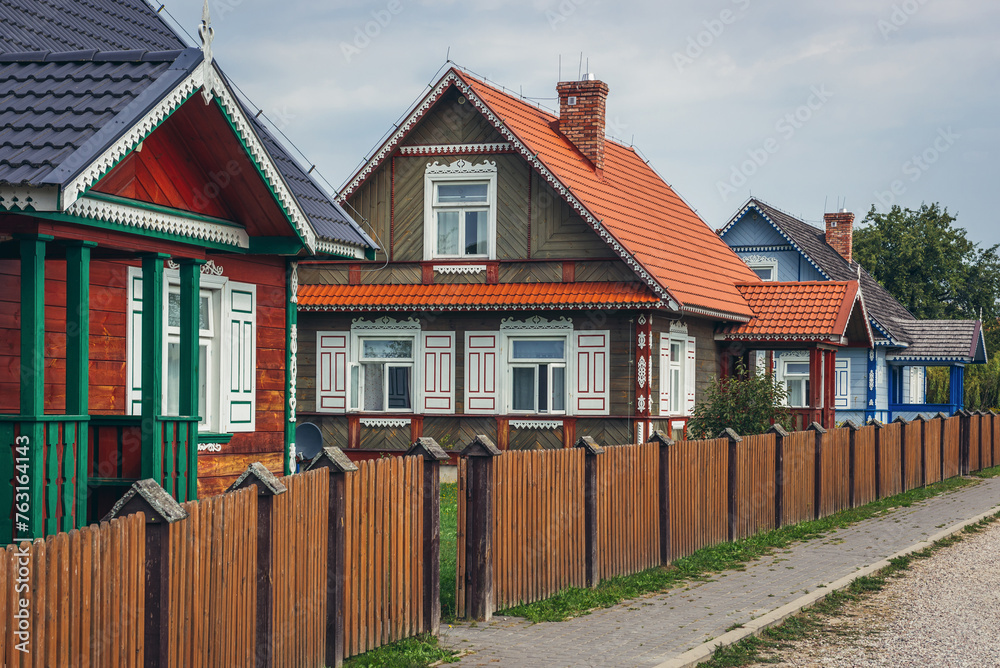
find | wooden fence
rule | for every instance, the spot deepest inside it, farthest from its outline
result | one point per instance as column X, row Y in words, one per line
column 519, row 513
column 85, row 598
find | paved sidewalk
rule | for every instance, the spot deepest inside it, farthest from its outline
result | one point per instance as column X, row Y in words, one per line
column 652, row 629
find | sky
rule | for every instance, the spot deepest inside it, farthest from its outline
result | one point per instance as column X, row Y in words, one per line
column 809, row 106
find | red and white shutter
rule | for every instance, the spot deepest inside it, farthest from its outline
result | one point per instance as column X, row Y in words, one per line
column 690, row 369
column 592, row 357
column 438, row 372
column 482, row 360
column 332, row 355
column 239, row 357
column 133, row 405
column 664, row 374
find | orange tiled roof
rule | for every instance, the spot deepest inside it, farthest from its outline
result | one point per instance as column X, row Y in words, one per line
column 477, row 296
column 817, row 310
column 634, row 205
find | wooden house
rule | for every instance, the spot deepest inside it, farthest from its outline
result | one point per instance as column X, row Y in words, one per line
column 149, row 229
column 882, row 380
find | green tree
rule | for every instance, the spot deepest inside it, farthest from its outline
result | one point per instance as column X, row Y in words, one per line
column 749, row 404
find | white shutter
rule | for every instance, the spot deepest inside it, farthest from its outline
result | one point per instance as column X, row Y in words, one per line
column 690, row 370
column 438, row 370
column 916, row 393
column 482, row 359
column 664, row 374
column 592, row 396
column 842, row 375
column 239, row 357
column 133, row 364
column 332, row 386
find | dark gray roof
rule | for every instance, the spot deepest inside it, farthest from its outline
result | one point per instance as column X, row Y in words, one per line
column 53, row 105
column 881, row 305
column 71, row 25
column 942, row 339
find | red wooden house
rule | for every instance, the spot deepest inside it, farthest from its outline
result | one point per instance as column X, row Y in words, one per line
column 149, row 233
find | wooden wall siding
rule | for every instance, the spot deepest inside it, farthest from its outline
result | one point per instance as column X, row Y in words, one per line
column 754, row 485
column 622, row 386
column 952, row 430
column 914, row 463
column 889, row 466
column 453, row 433
column 213, row 596
column 932, row 451
column 864, row 466
column 799, row 478
column 408, row 197
column 86, row 594
column 556, row 231
column 383, row 584
column 385, row 438
column 333, row 427
column 605, row 431
column 400, row 274
column 299, row 526
column 452, row 123
column 699, row 507
column 536, row 439
column 371, row 206
column 316, row 275
column 531, row 272
column 611, row 271
column 628, row 520
column 513, row 220
column 835, row 470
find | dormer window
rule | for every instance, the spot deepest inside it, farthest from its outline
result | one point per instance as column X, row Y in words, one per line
column 765, row 267
column 460, row 211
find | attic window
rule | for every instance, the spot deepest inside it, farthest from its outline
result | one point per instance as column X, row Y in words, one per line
column 460, row 211
column 765, row 267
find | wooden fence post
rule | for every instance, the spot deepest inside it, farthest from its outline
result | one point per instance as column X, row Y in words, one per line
column 963, row 441
column 903, row 426
column 479, row 528
column 852, row 433
column 664, row 441
column 779, row 471
column 878, row 458
column 433, row 455
column 941, row 417
column 160, row 509
column 733, row 438
column 818, row 430
column 922, row 422
column 590, row 451
column 981, row 414
column 337, row 462
column 268, row 487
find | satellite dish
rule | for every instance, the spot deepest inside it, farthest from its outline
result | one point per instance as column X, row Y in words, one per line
column 308, row 441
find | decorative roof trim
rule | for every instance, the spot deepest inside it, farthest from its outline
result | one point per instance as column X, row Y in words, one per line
column 578, row 306
column 753, row 205
column 712, row 313
column 360, row 324
column 762, row 249
column 452, row 78
column 461, row 167
column 823, row 338
column 336, row 248
column 456, row 149
column 158, row 221
column 929, row 358
column 29, row 198
column 534, row 323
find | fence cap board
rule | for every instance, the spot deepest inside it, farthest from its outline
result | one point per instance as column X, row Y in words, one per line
column 919, row 418
column 481, row 446
column 731, row 435
column 589, row 445
column 147, row 497
column 816, row 427
column 941, row 415
column 851, row 424
column 258, row 475
column 333, row 458
column 899, row 419
column 963, row 413
column 777, row 429
column 660, row 436
column 428, row 448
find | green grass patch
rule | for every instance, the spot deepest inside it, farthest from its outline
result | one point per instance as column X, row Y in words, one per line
column 449, row 527
column 416, row 652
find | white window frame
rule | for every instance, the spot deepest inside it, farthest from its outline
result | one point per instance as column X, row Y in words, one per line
column 534, row 363
column 211, row 340
column 842, row 399
column 356, row 381
column 459, row 172
column 784, row 377
column 756, row 262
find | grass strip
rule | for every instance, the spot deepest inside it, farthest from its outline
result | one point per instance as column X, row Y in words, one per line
column 812, row 622
column 417, row 652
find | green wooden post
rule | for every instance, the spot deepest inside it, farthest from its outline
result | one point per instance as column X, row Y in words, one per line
column 152, row 366
column 77, row 380
column 33, row 376
column 187, row 483
column 291, row 361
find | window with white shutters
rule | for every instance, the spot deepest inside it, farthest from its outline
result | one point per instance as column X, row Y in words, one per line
column 842, row 399
column 134, row 347
column 677, row 373
column 592, row 396
column 690, row 371
column 482, row 350
column 438, row 371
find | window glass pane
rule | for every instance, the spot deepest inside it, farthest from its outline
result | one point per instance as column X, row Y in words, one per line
column 173, row 378
column 523, row 398
column 399, row 387
column 354, row 386
column 475, row 232
column 797, row 368
column 203, row 319
column 543, row 388
column 174, row 309
column 558, row 389
column 796, row 392
column 203, row 383
column 675, row 390
column 447, row 241
column 765, row 273
column 675, row 351
column 392, row 349
column 462, row 193
column 527, row 349
column 373, row 387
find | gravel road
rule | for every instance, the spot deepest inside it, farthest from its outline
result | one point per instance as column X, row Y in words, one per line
column 944, row 612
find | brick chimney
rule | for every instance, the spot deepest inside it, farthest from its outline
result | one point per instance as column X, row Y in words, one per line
column 839, row 231
column 581, row 116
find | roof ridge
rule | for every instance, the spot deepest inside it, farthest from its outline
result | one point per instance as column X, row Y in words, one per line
column 93, row 55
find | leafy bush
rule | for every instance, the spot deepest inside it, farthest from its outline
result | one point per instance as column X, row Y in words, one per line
column 749, row 404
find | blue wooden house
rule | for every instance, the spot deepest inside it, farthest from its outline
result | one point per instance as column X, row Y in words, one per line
column 886, row 380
